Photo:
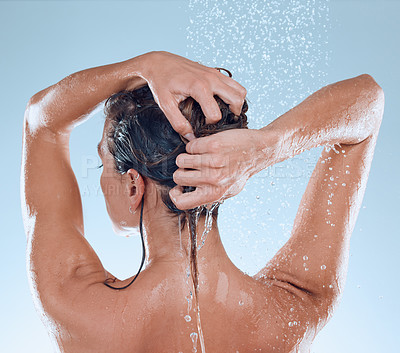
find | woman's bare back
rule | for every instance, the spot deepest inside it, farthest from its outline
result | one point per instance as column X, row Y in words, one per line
column 237, row 312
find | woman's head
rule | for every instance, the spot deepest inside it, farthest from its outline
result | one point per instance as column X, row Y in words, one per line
column 140, row 140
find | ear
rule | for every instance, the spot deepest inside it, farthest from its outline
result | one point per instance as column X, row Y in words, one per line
column 135, row 187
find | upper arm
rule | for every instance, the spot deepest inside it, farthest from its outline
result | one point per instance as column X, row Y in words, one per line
column 315, row 258
column 60, row 260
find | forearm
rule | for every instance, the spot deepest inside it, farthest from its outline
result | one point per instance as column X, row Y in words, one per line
column 65, row 104
column 346, row 112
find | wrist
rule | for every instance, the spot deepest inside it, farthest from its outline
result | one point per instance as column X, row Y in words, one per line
column 267, row 148
column 137, row 71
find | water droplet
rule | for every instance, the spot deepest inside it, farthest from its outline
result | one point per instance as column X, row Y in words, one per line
column 330, row 168
column 343, row 184
column 290, row 324
column 305, row 257
column 323, row 267
column 331, row 178
column 330, row 286
column 347, row 172
column 188, row 318
column 316, row 236
column 241, row 302
column 194, row 336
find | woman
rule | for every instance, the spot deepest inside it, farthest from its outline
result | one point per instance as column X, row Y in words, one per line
column 189, row 298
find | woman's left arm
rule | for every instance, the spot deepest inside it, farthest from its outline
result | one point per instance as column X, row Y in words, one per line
column 61, row 261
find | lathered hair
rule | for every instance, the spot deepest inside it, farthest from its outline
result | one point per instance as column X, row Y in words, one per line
column 141, row 137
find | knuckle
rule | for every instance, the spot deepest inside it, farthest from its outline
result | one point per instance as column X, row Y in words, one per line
column 215, row 115
column 164, row 101
column 200, row 85
column 178, row 203
column 216, row 179
column 215, row 145
column 212, row 77
column 176, row 177
column 217, row 161
column 219, row 192
column 189, row 147
column 238, row 101
column 209, row 74
column 179, row 125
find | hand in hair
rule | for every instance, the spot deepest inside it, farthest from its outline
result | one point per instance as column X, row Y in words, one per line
column 219, row 166
column 173, row 78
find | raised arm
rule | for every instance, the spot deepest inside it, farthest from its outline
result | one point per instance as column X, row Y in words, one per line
column 61, row 262
column 346, row 114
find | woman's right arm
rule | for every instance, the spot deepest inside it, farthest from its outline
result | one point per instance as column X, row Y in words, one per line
column 347, row 113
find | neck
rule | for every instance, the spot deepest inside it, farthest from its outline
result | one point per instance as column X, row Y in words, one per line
column 165, row 243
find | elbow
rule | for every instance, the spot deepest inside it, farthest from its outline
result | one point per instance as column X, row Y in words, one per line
column 375, row 91
column 35, row 112
column 374, row 96
column 29, row 122
column 36, row 104
column 32, row 117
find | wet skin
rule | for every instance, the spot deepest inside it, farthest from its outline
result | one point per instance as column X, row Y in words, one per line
column 280, row 309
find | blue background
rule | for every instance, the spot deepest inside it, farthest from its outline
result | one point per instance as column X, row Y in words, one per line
column 281, row 51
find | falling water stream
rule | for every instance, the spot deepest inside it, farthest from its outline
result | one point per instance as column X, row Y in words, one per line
column 193, row 289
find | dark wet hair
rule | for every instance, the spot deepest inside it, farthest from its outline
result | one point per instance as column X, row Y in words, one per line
column 141, row 137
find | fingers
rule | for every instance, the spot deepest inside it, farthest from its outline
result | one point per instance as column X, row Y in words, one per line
column 197, row 161
column 228, row 90
column 191, row 177
column 204, row 96
column 203, row 90
column 198, row 197
column 235, row 85
column 230, row 96
column 234, row 97
column 179, row 123
column 201, row 145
